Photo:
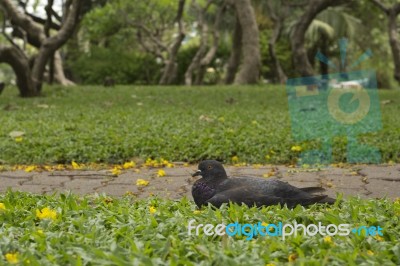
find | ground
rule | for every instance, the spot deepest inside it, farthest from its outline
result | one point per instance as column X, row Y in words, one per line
column 100, row 176
column 366, row 181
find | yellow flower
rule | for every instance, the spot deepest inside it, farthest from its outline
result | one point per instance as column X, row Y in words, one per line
column 12, row 257
column 196, row 212
column 370, row 252
column 2, row 206
column 272, row 173
column 19, row 139
column 161, row 173
column 75, row 165
column 254, row 122
column 267, row 157
column 152, row 209
column 48, row 168
column 269, row 264
column 30, row 168
column 185, row 164
column 292, row 257
column 397, row 201
column 40, row 232
column 296, row 148
column 379, row 238
column 328, row 240
column 116, row 171
column 266, row 224
column 235, row 159
column 46, row 213
column 169, row 165
column 128, row 165
column 141, row 182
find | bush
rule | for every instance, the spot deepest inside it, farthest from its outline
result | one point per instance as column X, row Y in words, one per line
column 123, row 67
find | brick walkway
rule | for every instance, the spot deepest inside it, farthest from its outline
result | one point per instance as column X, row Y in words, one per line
column 367, row 181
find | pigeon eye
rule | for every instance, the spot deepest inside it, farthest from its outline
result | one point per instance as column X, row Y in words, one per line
column 209, row 167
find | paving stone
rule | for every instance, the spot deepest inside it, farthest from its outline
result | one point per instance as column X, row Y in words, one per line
column 381, row 172
column 48, row 180
column 379, row 188
column 370, row 181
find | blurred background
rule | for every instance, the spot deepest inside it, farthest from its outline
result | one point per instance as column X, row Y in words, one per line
column 191, row 42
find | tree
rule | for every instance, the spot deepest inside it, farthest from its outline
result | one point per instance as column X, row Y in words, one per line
column 249, row 71
column 329, row 25
column 297, row 39
column 203, row 57
column 151, row 31
column 30, row 71
column 278, row 12
column 392, row 13
column 234, row 58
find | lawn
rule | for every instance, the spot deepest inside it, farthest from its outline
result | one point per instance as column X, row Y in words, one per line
column 233, row 124
column 114, row 125
column 99, row 230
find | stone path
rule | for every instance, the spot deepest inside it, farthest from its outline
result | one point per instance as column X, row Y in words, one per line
column 367, row 181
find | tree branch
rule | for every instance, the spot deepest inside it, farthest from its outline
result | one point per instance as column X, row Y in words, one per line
column 17, row 18
column 41, row 21
column 215, row 33
column 53, row 43
column 8, row 38
column 379, row 4
column 157, row 41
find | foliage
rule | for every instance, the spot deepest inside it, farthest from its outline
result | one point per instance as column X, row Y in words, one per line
column 186, row 55
column 283, row 52
column 99, row 230
column 114, row 125
column 124, row 67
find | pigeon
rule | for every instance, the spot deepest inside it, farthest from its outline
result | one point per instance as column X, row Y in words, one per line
column 215, row 188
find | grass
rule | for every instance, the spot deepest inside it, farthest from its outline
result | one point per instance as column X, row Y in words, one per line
column 99, row 230
column 113, row 125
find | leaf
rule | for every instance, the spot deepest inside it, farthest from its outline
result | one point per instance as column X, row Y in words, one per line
column 16, row 134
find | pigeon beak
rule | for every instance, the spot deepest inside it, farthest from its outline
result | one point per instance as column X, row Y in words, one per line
column 198, row 172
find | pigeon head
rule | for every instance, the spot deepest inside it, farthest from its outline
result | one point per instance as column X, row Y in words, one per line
column 211, row 169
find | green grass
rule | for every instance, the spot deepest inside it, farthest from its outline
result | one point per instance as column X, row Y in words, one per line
column 98, row 230
column 112, row 125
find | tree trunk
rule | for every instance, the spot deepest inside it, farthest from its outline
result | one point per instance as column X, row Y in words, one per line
column 394, row 42
column 234, row 59
column 171, row 66
column 299, row 52
column 30, row 72
column 278, row 16
column 392, row 14
column 59, row 75
column 249, row 72
column 324, row 68
column 20, row 64
column 196, row 61
column 52, row 44
column 201, row 59
column 281, row 76
column 213, row 49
